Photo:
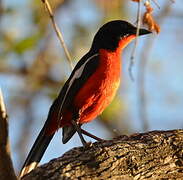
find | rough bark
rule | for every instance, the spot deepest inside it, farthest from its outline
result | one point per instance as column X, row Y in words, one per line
column 151, row 155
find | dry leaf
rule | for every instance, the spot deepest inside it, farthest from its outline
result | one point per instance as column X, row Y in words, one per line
column 148, row 18
column 136, row 0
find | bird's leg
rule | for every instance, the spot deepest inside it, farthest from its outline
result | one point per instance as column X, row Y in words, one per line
column 90, row 135
column 75, row 123
column 78, row 129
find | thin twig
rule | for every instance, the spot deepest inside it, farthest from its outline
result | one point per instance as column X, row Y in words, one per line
column 6, row 165
column 154, row 1
column 136, row 42
column 58, row 32
column 141, row 71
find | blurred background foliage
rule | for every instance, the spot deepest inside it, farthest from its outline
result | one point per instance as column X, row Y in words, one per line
column 33, row 68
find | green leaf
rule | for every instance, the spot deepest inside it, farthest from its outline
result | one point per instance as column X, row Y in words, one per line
column 27, row 43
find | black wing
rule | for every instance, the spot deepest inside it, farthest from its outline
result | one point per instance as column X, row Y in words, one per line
column 82, row 71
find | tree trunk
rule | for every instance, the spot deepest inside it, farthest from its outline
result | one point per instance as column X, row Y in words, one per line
column 151, row 155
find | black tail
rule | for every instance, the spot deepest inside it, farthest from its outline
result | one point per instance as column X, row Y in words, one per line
column 36, row 153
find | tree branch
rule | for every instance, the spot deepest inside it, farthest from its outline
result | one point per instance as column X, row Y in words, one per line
column 136, row 42
column 151, row 155
column 58, row 32
column 6, row 166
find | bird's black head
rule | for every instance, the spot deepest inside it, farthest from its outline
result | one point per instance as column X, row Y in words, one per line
column 110, row 34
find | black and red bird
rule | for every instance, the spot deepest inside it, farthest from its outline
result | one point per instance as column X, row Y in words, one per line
column 90, row 88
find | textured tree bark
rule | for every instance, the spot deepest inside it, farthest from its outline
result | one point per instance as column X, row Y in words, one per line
column 151, row 155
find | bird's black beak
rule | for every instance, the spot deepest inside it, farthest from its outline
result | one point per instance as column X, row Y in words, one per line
column 144, row 31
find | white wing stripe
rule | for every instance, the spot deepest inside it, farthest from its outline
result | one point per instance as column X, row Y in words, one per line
column 79, row 71
column 76, row 75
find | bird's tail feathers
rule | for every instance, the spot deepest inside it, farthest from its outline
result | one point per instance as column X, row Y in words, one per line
column 67, row 133
column 36, row 153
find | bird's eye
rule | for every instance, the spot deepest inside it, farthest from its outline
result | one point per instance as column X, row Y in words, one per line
column 124, row 36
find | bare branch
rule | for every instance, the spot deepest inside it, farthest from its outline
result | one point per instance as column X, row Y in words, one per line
column 58, row 32
column 6, row 166
column 136, row 41
column 142, row 104
column 156, row 3
column 141, row 71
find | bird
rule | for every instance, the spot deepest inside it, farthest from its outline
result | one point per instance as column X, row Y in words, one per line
column 91, row 87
